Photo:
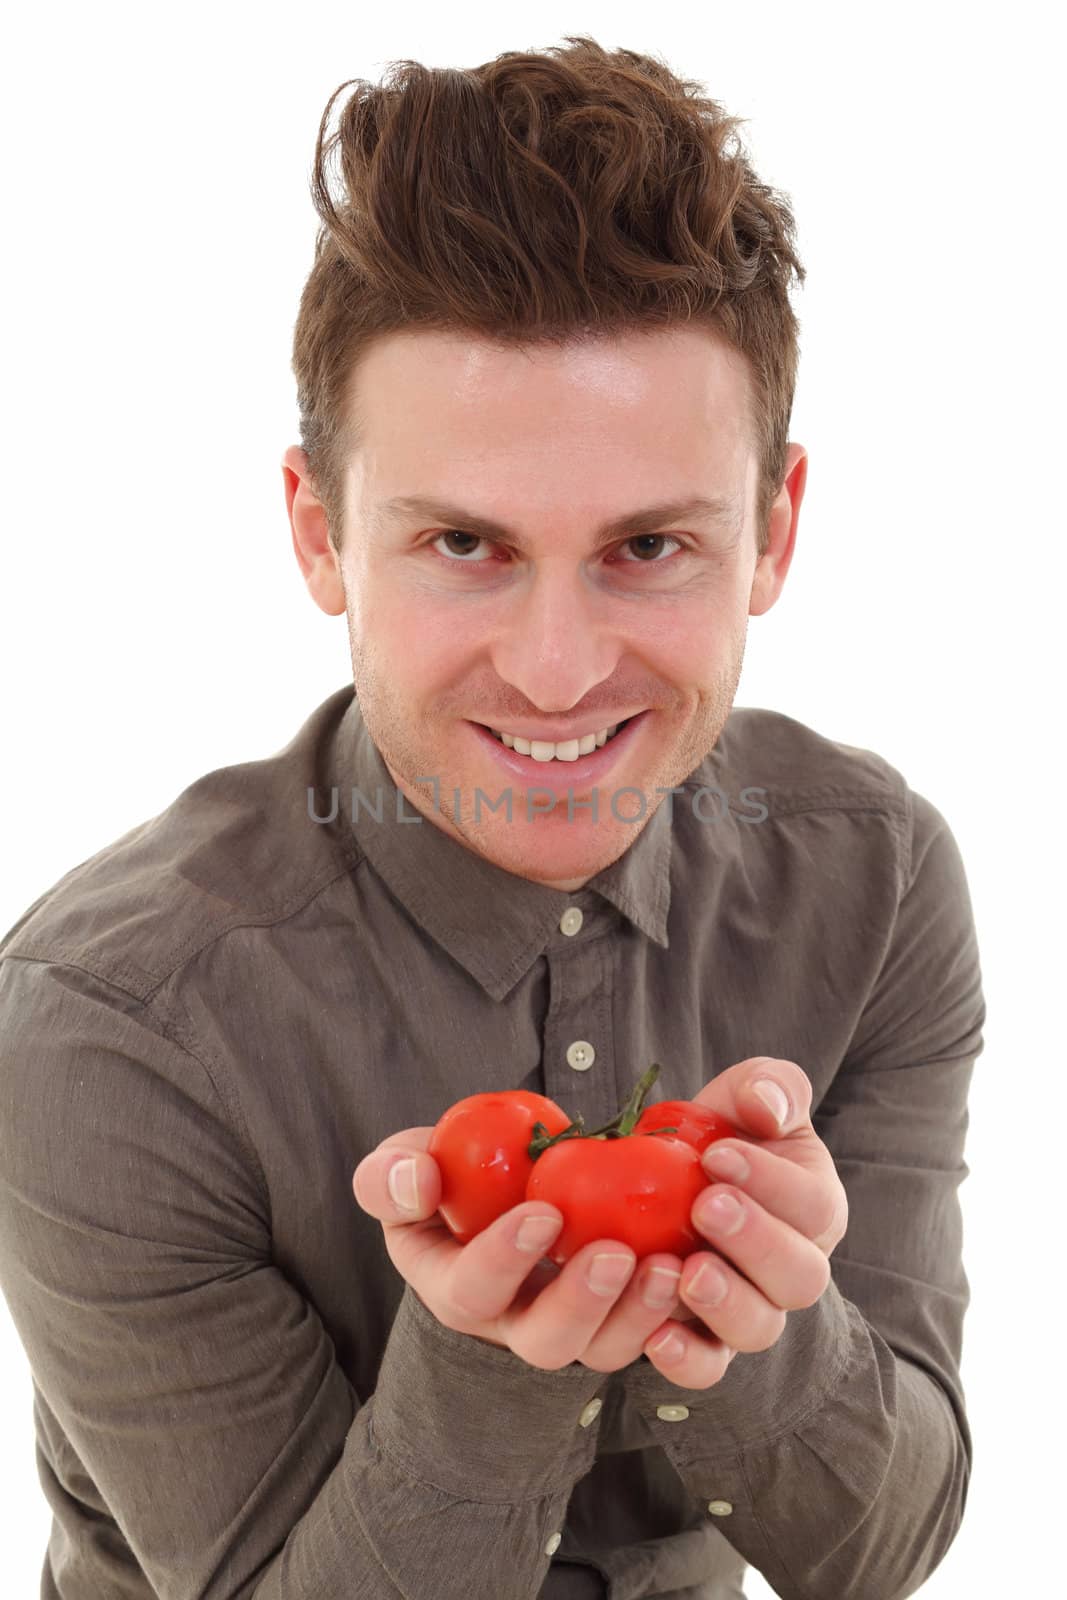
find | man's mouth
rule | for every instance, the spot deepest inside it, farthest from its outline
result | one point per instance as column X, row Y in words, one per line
column 545, row 750
column 562, row 767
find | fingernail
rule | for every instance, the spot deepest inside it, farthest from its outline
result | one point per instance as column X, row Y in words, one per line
column 536, row 1234
column 404, row 1185
column 707, row 1285
column 726, row 1163
column 670, row 1347
column 774, row 1098
column 661, row 1287
column 609, row 1272
column 723, row 1215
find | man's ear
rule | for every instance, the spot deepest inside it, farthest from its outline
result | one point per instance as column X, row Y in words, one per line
column 316, row 556
column 771, row 569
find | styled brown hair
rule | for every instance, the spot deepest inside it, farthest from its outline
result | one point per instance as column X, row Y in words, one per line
column 541, row 198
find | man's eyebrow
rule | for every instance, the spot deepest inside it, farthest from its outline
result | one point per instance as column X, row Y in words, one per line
column 722, row 508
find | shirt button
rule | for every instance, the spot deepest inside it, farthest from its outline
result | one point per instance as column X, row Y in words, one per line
column 672, row 1413
column 570, row 921
column 720, row 1508
column 553, row 1544
column 590, row 1414
column 580, row 1055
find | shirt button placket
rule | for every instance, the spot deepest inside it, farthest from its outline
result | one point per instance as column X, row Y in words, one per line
column 676, row 1413
column 579, row 989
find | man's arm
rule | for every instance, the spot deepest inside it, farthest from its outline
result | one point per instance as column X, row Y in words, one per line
column 837, row 1461
column 200, row 1389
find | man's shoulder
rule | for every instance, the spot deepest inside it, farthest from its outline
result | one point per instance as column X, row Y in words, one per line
column 238, row 847
column 786, row 766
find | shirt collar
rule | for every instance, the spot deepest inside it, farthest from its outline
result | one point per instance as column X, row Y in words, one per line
column 493, row 922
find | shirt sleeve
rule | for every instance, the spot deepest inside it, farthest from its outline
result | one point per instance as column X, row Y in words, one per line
column 838, row 1461
column 196, row 1384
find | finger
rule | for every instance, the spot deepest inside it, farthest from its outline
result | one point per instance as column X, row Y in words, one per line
column 565, row 1317
column 547, row 1269
column 732, row 1094
column 651, row 1295
column 727, row 1305
column 691, row 1359
column 789, row 1270
column 809, row 1198
column 391, row 1191
column 477, row 1282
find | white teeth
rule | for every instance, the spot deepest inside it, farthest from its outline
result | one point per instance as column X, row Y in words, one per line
column 568, row 750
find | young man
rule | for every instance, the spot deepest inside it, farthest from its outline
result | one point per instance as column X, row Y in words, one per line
column 545, row 362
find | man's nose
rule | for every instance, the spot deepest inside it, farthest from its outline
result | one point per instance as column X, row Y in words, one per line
column 555, row 642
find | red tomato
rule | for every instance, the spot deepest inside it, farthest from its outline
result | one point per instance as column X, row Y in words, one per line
column 481, row 1145
column 698, row 1125
column 637, row 1189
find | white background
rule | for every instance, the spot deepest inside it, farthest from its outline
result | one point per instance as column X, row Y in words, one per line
column 154, row 624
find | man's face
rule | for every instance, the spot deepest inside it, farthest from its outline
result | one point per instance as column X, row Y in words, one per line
column 543, row 630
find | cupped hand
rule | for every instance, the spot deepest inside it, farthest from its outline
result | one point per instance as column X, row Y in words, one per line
column 499, row 1289
column 785, row 1214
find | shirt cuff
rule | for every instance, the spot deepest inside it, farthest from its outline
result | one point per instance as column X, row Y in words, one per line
column 763, row 1393
column 476, row 1420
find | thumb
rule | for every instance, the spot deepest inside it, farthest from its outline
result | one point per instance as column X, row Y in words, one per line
column 777, row 1096
column 766, row 1095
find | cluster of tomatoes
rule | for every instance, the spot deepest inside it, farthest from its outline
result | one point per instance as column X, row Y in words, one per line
column 634, row 1180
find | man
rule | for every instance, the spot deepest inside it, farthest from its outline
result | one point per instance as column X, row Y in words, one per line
column 534, row 845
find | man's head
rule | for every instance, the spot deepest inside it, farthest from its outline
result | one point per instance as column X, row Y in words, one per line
column 549, row 303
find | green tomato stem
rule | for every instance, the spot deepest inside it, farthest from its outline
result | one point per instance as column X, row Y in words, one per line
column 620, row 1127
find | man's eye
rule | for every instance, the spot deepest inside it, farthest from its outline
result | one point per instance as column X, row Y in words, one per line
column 454, row 533
column 643, row 539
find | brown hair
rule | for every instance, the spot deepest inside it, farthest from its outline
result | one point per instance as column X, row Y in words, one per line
column 541, row 198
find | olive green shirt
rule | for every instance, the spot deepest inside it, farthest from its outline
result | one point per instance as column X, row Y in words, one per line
column 206, row 1026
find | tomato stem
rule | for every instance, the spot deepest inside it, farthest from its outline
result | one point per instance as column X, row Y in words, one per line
column 620, row 1127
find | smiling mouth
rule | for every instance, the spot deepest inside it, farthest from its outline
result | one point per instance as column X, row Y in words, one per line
column 618, row 729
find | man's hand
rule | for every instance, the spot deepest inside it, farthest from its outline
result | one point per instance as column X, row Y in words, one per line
column 772, row 1255
column 794, row 1214
column 498, row 1290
